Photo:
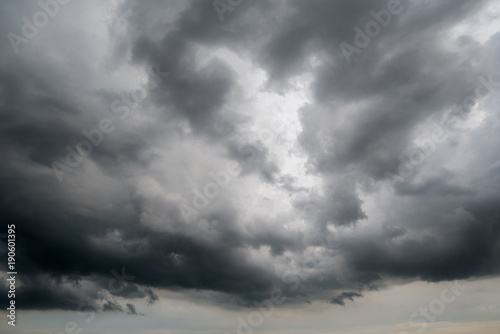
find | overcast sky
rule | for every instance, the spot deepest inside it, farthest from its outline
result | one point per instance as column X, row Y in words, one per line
column 251, row 166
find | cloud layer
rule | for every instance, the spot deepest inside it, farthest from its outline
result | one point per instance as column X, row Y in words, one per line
column 148, row 145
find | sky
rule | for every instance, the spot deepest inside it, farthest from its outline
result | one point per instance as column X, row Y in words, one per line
column 250, row 166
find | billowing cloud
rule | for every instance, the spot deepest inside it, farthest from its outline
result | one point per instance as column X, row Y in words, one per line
column 150, row 146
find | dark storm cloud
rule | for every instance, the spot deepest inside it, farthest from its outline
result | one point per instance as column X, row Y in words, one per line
column 439, row 225
column 40, row 293
column 111, row 306
column 403, row 93
column 340, row 205
column 421, row 80
column 132, row 310
column 152, row 296
column 340, row 299
column 68, row 250
column 311, row 29
column 468, row 252
column 57, row 233
column 200, row 96
column 41, row 118
column 253, row 157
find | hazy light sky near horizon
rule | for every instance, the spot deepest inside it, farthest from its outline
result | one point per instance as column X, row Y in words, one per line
column 245, row 166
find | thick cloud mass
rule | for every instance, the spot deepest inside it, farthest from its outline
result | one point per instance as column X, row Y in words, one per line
column 347, row 174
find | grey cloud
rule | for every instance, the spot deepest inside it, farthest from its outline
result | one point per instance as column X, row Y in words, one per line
column 340, row 299
column 152, row 296
column 111, row 306
column 339, row 205
column 132, row 310
column 119, row 210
